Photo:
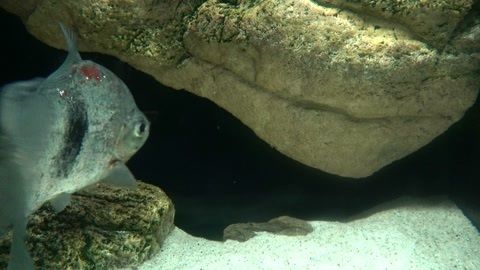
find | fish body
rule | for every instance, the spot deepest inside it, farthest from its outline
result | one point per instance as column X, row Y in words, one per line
column 60, row 134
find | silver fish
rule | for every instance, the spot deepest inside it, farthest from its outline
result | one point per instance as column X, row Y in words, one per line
column 60, row 134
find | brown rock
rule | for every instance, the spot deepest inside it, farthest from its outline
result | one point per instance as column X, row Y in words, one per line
column 104, row 227
column 283, row 225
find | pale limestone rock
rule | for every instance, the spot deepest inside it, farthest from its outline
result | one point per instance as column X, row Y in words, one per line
column 432, row 21
column 346, row 88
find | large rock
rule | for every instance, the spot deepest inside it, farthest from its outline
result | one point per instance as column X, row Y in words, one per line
column 405, row 234
column 432, row 21
column 104, row 227
column 343, row 86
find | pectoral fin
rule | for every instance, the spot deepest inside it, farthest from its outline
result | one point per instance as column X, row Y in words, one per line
column 121, row 176
column 60, row 202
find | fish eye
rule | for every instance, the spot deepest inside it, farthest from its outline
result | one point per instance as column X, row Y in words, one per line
column 140, row 128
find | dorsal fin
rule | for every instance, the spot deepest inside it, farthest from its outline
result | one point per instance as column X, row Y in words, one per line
column 70, row 39
column 61, row 75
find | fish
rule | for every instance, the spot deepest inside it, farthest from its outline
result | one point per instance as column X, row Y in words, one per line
column 60, row 134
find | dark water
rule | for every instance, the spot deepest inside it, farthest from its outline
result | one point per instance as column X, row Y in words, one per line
column 218, row 172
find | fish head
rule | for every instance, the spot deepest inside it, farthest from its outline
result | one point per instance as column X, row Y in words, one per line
column 133, row 134
column 121, row 127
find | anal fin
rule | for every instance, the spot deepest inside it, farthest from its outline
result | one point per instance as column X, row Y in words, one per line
column 60, row 202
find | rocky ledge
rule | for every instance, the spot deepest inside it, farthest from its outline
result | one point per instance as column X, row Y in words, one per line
column 343, row 86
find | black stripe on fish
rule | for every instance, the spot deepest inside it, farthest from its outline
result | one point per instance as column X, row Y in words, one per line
column 75, row 131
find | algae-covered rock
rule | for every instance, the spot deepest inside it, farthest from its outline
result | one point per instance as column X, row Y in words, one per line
column 104, row 227
column 343, row 86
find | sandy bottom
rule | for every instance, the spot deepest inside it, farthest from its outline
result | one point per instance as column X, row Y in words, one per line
column 406, row 234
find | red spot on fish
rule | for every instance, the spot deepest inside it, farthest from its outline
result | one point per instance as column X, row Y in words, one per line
column 91, row 72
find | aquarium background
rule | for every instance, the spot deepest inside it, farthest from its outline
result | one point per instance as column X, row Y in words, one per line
column 217, row 172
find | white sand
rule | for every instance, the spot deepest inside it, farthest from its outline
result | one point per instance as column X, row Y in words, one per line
column 412, row 235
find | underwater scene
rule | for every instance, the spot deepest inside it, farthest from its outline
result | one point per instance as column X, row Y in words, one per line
column 240, row 134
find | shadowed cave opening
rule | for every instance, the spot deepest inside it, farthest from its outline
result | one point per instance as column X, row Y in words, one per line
column 218, row 172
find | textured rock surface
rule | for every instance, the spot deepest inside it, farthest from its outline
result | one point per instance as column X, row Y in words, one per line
column 282, row 225
column 103, row 228
column 343, row 86
column 432, row 21
column 407, row 234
